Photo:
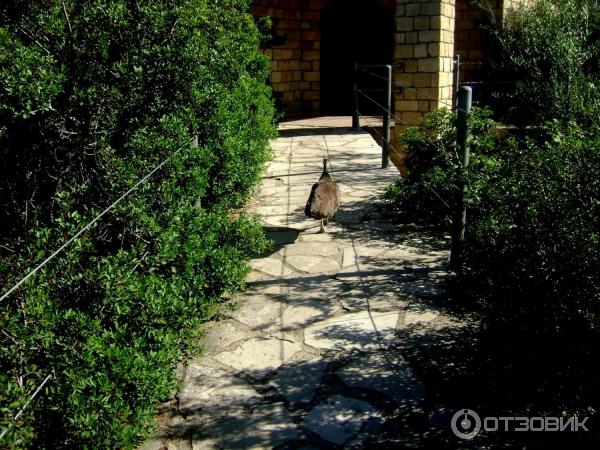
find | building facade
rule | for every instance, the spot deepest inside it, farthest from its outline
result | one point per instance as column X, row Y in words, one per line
column 317, row 41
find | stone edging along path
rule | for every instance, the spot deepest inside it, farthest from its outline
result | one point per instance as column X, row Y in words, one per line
column 310, row 358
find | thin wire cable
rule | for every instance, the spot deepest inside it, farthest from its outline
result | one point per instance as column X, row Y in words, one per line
column 382, row 107
column 428, row 97
column 418, row 93
column 425, row 96
column 374, row 128
column 508, row 133
column 382, row 137
column 404, row 123
column 396, row 150
column 86, row 227
column 471, row 63
column 29, row 400
column 65, row 245
column 392, row 114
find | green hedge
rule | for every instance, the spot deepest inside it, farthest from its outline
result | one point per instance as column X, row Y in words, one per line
column 551, row 50
column 94, row 94
column 428, row 193
column 532, row 246
column 532, row 249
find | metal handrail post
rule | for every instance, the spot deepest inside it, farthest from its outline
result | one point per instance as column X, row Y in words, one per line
column 456, row 80
column 355, row 113
column 465, row 101
column 387, row 120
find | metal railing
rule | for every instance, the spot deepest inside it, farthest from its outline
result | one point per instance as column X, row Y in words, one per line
column 386, row 109
column 461, row 102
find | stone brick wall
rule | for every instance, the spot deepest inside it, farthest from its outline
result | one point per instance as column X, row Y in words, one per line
column 425, row 44
column 296, row 62
column 428, row 35
column 470, row 38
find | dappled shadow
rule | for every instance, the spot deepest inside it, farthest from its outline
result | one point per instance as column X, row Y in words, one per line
column 321, row 351
column 264, row 426
column 279, row 238
column 458, row 372
column 317, row 173
column 300, row 403
column 411, row 272
column 367, row 220
column 359, row 330
column 379, row 398
column 347, row 169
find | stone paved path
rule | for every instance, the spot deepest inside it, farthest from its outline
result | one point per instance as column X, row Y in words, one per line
column 311, row 357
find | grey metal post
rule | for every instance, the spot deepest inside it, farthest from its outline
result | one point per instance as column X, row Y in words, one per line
column 465, row 100
column 456, row 80
column 387, row 119
column 355, row 114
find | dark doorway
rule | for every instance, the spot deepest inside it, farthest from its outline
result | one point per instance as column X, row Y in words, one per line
column 354, row 30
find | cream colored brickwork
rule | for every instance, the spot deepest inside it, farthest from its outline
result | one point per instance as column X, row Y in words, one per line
column 429, row 33
column 425, row 46
column 296, row 64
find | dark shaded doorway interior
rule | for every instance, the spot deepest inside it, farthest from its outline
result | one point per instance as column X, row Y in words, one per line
column 354, row 30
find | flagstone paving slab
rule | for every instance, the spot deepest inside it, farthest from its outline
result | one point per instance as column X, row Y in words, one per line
column 312, row 264
column 265, row 427
column 258, row 311
column 361, row 330
column 205, row 390
column 299, row 383
column 270, row 266
column 339, row 418
column 311, row 248
column 258, row 356
column 387, row 373
column 220, row 336
column 306, row 312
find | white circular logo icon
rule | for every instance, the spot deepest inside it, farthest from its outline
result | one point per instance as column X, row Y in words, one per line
column 466, row 424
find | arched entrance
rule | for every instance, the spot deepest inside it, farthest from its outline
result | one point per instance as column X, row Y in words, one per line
column 354, row 30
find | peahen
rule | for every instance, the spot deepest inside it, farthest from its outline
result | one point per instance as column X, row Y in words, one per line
column 324, row 199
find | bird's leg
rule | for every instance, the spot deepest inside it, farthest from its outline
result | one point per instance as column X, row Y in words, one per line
column 322, row 227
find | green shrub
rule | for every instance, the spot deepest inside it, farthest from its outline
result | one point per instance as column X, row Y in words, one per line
column 531, row 261
column 551, row 50
column 532, row 246
column 95, row 95
column 533, row 214
column 533, row 250
column 428, row 193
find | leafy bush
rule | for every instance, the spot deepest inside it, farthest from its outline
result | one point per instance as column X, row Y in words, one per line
column 551, row 49
column 531, row 261
column 532, row 251
column 95, row 95
column 532, row 246
column 428, row 193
